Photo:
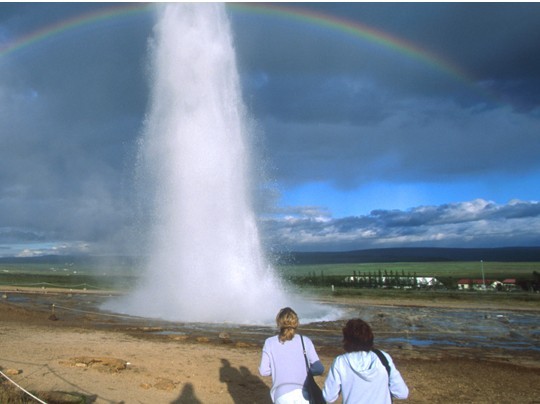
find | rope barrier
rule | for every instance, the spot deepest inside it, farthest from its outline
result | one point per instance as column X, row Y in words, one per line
column 22, row 389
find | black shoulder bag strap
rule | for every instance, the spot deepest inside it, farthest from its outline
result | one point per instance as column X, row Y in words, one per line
column 305, row 355
column 315, row 392
column 384, row 361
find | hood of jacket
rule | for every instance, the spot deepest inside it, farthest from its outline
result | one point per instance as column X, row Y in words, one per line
column 364, row 364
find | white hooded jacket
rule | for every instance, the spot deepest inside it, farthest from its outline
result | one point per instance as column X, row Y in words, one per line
column 362, row 378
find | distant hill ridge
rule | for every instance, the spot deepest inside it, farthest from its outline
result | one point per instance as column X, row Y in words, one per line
column 65, row 259
column 502, row 254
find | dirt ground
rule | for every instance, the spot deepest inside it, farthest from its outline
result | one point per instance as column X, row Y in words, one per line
column 114, row 361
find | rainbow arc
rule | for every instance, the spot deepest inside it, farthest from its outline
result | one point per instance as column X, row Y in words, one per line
column 334, row 24
column 347, row 27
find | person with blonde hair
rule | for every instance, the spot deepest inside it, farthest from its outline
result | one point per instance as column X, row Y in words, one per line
column 283, row 359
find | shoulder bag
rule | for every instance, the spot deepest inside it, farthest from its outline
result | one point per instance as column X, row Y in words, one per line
column 312, row 388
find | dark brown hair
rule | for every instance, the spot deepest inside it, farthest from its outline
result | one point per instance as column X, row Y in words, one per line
column 357, row 336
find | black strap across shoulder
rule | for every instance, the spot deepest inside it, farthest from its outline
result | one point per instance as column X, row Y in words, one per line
column 383, row 360
column 314, row 391
column 305, row 355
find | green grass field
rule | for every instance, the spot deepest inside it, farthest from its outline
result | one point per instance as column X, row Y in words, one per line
column 492, row 270
column 69, row 276
column 121, row 277
column 312, row 279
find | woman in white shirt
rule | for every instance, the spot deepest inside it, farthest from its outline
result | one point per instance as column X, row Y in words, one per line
column 283, row 359
column 361, row 375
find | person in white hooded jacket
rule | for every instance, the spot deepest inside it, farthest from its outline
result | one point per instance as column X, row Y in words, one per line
column 359, row 374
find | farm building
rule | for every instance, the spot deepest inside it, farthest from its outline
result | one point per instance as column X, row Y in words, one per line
column 427, row 281
column 476, row 284
column 510, row 284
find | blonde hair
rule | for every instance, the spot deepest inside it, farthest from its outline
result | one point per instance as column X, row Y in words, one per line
column 287, row 322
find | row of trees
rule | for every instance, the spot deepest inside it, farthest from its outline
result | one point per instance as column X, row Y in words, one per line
column 397, row 280
column 370, row 279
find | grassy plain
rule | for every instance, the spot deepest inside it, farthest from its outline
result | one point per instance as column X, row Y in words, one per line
column 79, row 276
column 492, row 270
column 432, row 298
column 68, row 276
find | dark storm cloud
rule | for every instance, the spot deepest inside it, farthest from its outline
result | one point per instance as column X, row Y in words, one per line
column 471, row 35
column 422, row 143
column 8, row 235
column 331, row 108
column 71, row 110
column 496, row 44
column 339, row 109
column 305, row 98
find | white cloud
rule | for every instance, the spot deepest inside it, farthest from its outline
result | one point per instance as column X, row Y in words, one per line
column 476, row 223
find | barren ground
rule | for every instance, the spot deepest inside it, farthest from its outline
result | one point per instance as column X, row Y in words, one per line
column 113, row 360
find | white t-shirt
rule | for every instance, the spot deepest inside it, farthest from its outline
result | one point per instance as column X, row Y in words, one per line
column 286, row 363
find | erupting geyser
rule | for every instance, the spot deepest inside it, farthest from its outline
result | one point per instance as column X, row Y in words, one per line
column 206, row 262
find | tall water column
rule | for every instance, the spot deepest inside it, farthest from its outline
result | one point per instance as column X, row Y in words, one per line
column 205, row 258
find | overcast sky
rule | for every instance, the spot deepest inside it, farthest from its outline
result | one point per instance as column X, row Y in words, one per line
column 426, row 133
